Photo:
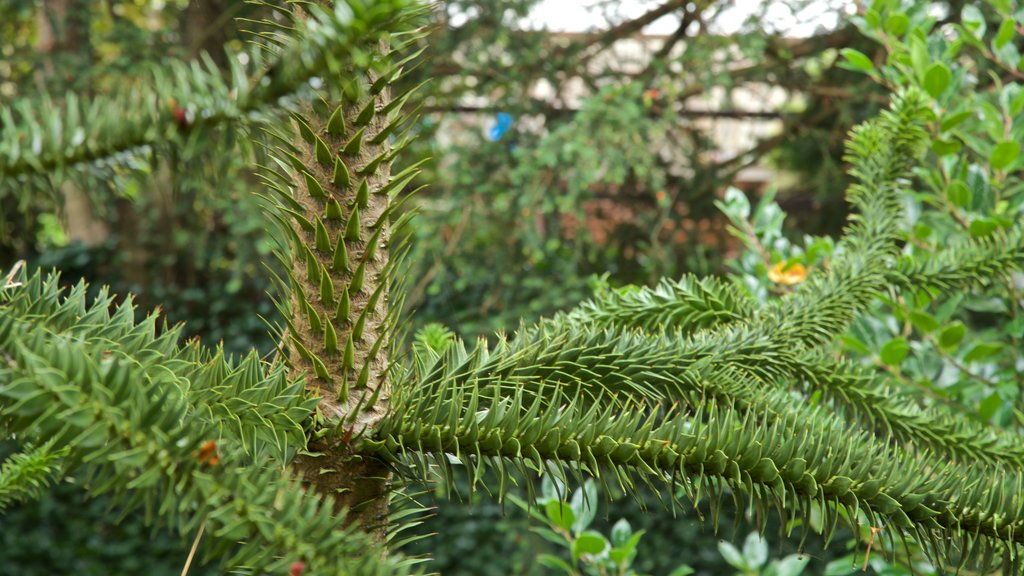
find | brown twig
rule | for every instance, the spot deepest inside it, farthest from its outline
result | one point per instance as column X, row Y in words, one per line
column 9, row 280
column 195, row 546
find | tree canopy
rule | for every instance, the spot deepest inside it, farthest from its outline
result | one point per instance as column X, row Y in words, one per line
column 871, row 379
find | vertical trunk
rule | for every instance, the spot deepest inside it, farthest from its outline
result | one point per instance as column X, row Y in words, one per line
column 339, row 335
column 64, row 29
column 205, row 26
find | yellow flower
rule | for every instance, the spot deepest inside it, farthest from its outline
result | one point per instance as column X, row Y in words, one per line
column 792, row 274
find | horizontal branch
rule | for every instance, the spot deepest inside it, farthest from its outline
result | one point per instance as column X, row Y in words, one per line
column 964, row 266
column 861, row 397
column 684, row 112
column 682, row 306
column 133, row 434
column 583, row 397
column 43, row 137
column 785, row 456
column 24, row 474
column 243, row 400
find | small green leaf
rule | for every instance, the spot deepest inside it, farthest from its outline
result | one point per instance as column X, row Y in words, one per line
column 873, row 18
column 755, row 550
column 560, row 514
column 326, row 289
column 621, row 531
column 919, row 58
column 987, row 408
column 336, row 125
column 619, row 556
column 363, row 194
column 354, row 144
column 959, row 194
column 732, row 555
column 1004, row 154
column 590, row 543
column 943, row 147
column 362, row 380
column 954, row 119
column 792, row 565
column 1002, row 6
column 304, row 129
column 983, row 350
column 322, row 239
column 857, row 60
column 312, row 267
column 1017, row 103
column 323, row 153
column 936, row 79
column 973, row 20
column 555, row 563
column 855, row 344
column 357, row 278
column 897, row 23
column 342, row 310
column 352, row 227
column 1005, row 34
column 842, row 566
column 341, row 174
column 584, row 506
column 339, row 262
column 982, row 227
column 380, row 83
column 374, row 164
column 330, row 338
column 332, row 212
column 894, row 351
column 313, row 187
column 348, row 359
column 764, row 471
column 952, row 335
column 360, row 324
column 924, row 321
column 366, row 114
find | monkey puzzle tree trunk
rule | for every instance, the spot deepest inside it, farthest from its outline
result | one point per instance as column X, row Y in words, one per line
column 338, row 336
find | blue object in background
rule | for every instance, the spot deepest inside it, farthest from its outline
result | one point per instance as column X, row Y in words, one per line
column 500, row 127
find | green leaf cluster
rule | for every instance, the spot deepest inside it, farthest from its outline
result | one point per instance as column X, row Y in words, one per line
column 713, row 390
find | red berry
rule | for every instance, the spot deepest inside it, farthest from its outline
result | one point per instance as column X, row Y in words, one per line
column 298, row 567
column 180, row 117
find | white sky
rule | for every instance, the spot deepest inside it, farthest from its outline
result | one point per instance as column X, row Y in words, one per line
column 573, row 16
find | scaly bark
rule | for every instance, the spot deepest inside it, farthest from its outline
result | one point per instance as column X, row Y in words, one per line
column 338, row 337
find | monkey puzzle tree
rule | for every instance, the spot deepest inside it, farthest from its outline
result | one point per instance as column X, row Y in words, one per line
column 289, row 465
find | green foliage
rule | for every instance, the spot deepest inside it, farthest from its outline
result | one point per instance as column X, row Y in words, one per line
column 567, row 523
column 813, row 397
column 753, row 559
column 964, row 230
column 66, row 531
column 25, row 474
column 609, row 166
column 574, row 399
column 184, row 437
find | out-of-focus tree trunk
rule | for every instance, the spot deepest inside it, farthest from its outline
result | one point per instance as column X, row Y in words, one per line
column 64, row 30
column 206, row 25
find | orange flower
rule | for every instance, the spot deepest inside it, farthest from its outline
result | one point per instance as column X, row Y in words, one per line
column 789, row 275
column 208, row 453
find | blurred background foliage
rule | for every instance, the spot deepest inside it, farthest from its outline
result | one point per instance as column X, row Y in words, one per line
column 559, row 155
column 561, row 161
